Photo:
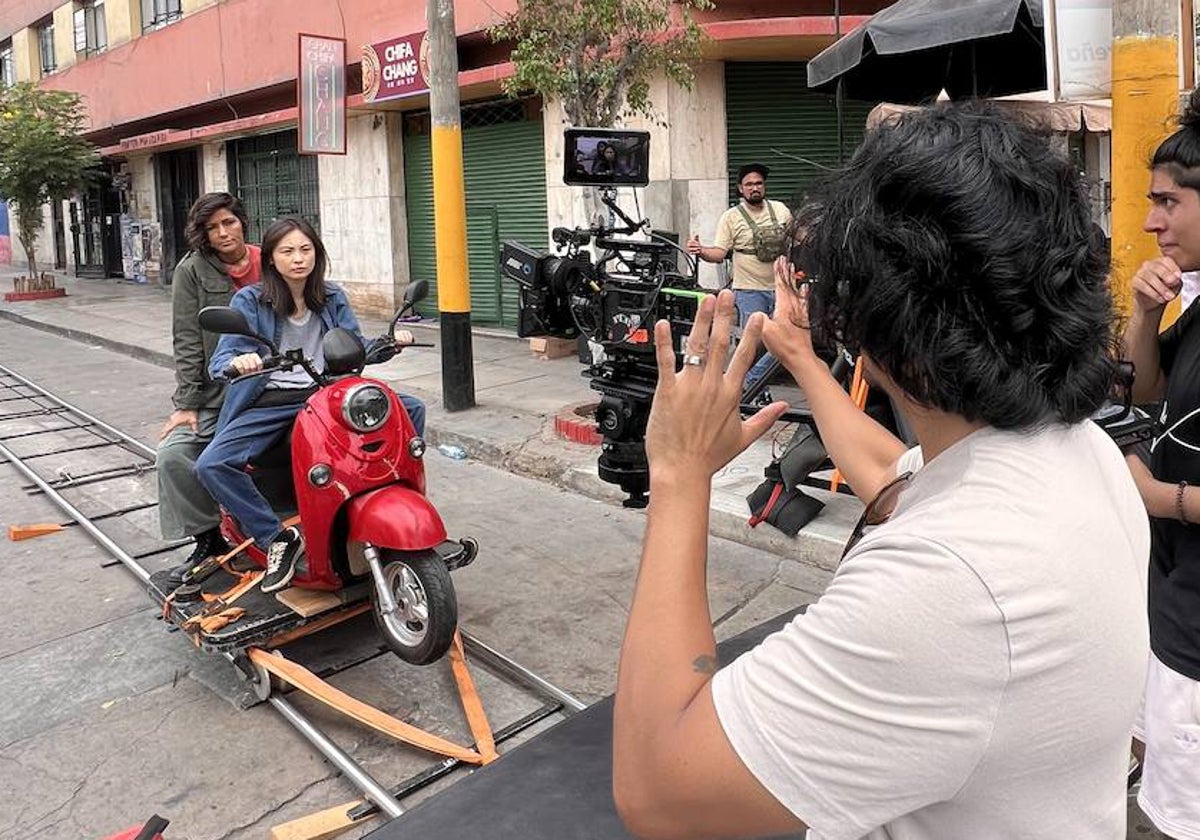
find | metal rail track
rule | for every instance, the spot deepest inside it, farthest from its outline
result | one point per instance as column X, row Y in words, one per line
column 25, row 403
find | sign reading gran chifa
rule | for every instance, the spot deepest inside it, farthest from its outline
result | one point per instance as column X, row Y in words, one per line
column 395, row 68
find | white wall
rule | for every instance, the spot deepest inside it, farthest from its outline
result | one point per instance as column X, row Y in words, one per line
column 362, row 213
column 214, row 169
column 143, row 191
column 44, row 249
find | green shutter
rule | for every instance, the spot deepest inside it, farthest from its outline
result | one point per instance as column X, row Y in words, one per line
column 773, row 118
column 418, row 199
column 504, row 169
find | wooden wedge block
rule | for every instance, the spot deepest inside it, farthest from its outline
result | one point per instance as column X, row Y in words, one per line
column 308, row 602
column 322, row 825
column 17, row 533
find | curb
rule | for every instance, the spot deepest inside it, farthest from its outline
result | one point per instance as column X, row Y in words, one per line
column 133, row 350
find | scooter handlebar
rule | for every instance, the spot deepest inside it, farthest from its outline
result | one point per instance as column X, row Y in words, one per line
column 232, row 374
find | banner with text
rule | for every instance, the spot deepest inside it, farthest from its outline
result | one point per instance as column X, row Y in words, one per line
column 322, row 95
column 396, row 68
column 1084, row 30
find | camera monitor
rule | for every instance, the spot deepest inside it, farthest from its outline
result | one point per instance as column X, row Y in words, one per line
column 606, row 157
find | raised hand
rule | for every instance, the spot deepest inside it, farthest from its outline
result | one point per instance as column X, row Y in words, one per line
column 695, row 428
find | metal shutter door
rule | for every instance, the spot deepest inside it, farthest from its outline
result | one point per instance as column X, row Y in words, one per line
column 771, row 116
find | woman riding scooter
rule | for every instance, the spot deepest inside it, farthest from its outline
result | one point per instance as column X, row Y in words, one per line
column 295, row 307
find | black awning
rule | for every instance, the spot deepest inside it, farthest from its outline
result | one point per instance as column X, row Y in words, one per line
column 914, row 49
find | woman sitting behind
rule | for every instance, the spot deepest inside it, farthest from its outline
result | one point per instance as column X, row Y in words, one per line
column 295, row 307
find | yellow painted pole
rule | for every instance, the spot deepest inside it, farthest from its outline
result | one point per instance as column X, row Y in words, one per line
column 1145, row 102
column 450, row 209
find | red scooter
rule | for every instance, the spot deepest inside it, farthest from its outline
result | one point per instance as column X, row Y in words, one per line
column 352, row 471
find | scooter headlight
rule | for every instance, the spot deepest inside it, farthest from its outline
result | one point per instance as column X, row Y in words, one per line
column 366, row 407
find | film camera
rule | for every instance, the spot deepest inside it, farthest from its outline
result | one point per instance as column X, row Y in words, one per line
column 612, row 297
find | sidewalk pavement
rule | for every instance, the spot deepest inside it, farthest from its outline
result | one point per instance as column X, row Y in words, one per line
column 512, row 426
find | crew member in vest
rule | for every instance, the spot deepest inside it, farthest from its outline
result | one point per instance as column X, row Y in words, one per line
column 754, row 231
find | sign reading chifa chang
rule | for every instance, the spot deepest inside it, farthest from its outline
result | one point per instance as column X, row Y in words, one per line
column 321, row 91
column 395, row 68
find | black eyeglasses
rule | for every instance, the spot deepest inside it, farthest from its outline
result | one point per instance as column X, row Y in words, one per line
column 878, row 510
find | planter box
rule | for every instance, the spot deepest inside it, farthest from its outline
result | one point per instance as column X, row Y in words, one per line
column 42, row 295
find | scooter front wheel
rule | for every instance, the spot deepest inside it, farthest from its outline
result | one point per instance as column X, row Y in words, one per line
column 422, row 626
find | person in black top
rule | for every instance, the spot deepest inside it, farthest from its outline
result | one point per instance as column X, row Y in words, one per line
column 1168, row 370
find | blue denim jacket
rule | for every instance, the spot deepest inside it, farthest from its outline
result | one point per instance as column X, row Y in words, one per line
column 261, row 317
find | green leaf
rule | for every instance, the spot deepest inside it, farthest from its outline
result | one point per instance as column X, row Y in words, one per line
column 599, row 56
column 42, row 155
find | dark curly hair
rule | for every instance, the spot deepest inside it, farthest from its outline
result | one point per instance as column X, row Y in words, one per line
column 203, row 209
column 1180, row 153
column 957, row 250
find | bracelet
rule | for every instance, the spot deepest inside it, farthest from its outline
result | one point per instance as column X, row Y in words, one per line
column 1179, row 514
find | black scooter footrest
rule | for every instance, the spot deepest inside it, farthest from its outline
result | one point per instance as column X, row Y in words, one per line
column 458, row 553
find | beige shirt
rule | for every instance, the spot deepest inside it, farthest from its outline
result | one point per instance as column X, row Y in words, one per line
column 733, row 233
column 974, row 668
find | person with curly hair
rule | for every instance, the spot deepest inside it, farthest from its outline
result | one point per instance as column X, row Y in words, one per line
column 219, row 263
column 1167, row 370
column 974, row 668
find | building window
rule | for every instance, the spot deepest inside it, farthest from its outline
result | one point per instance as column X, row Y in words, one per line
column 158, row 13
column 91, row 33
column 8, row 67
column 45, row 36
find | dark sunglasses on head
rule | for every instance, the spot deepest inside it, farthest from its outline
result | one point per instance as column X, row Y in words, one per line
column 878, row 510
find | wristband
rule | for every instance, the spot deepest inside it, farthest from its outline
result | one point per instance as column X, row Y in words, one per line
column 1179, row 514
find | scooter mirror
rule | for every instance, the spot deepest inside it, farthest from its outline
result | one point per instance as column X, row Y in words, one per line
column 416, row 292
column 225, row 319
column 343, row 352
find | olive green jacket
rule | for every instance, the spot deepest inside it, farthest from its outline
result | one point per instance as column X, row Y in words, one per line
column 199, row 281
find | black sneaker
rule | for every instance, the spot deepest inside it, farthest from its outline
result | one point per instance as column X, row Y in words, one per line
column 281, row 559
column 208, row 544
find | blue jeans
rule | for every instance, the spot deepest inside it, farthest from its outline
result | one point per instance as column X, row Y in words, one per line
column 749, row 301
column 221, row 467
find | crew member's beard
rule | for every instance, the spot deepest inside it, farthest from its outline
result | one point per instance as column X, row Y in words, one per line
column 756, row 201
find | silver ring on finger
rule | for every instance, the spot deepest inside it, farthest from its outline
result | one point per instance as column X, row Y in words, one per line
column 694, row 359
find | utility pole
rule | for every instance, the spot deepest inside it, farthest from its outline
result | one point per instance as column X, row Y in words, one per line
column 1145, row 101
column 450, row 209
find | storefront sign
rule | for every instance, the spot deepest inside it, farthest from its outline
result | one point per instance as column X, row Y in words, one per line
column 322, row 95
column 1084, row 31
column 395, row 68
column 145, row 141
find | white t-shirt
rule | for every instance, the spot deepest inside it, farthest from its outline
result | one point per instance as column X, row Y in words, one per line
column 974, row 668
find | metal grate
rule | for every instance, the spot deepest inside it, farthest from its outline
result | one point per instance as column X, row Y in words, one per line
column 272, row 179
column 480, row 115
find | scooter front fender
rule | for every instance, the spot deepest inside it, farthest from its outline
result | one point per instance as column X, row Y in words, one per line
column 395, row 517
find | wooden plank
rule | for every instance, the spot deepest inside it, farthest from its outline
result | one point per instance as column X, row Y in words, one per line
column 308, row 602
column 323, row 825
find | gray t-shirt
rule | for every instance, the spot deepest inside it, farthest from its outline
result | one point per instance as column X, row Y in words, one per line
column 303, row 331
column 974, row 668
